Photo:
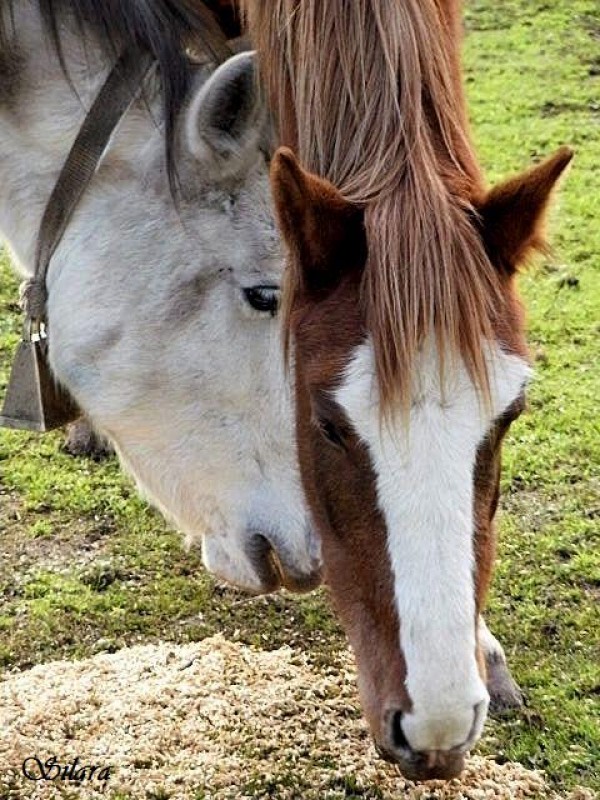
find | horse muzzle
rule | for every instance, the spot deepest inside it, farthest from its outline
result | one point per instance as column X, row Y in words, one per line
column 275, row 569
column 258, row 566
column 431, row 766
column 438, row 760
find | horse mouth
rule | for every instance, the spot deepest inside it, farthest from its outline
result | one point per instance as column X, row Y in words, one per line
column 420, row 767
column 273, row 571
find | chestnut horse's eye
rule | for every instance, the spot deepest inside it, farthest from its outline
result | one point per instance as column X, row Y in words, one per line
column 333, row 435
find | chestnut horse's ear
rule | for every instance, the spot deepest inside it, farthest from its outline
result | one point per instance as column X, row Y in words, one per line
column 320, row 227
column 513, row 213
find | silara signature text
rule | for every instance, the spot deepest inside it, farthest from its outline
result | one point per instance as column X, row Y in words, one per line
column 34, row 769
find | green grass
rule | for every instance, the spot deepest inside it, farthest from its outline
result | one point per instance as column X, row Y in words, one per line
column 534, row 84
column 86, row 566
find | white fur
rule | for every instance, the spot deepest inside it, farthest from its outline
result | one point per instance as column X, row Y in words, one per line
column 425, row 491
column 149, row 329
column 490, row 646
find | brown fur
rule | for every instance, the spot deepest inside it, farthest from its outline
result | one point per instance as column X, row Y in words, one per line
column 513, row 214
column 357, row 570
column 398, row 144
column 407, row 244
column 328, row 258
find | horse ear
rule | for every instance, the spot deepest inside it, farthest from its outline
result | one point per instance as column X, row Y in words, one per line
column 320, row 227
column 513, row 213
column 227, row 119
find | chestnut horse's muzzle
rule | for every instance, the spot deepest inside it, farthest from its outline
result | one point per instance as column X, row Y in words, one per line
column 426, row 765
column 432, row 766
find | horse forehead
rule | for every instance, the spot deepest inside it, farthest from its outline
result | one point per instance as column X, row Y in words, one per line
column 439, row 405
column 254, row 222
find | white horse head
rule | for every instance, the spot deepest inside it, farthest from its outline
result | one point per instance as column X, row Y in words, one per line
column 162, row 318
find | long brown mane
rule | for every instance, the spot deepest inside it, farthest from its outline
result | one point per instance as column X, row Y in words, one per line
column 369, row 93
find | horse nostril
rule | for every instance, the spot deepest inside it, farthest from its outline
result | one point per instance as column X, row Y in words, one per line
column 260, row 554
column 398, row 737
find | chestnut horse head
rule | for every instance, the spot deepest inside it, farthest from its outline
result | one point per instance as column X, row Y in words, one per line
column 408, row 346
column 405, row 501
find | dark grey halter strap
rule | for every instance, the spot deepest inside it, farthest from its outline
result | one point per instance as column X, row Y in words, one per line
column 109, row 107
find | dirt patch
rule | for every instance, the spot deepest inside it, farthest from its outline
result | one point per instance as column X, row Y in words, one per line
column 592, row 25
column 213, row 719
column 554, row 109
column 41, row 538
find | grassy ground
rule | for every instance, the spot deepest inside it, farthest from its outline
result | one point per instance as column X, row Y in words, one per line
column 86, row 566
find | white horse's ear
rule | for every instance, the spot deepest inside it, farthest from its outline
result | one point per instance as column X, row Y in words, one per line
column 226, row 120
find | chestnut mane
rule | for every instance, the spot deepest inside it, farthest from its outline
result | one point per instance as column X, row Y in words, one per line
column 369, row 94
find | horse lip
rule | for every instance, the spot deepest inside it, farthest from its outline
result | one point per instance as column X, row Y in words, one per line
column 260, row 553
column 439, row 765
column 292, row 580
column 385, row 754
column 301, row 583
column 273, row 573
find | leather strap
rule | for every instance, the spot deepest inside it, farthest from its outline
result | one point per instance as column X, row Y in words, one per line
column 112, row 102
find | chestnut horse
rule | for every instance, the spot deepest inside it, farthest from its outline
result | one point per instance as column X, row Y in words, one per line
column 409, row 348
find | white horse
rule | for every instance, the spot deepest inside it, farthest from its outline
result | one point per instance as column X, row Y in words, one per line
column 162, row 317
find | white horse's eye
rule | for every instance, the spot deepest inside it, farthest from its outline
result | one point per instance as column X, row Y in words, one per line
column 263, row 298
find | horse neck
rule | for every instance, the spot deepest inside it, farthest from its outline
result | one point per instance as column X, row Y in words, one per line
column 39, row 124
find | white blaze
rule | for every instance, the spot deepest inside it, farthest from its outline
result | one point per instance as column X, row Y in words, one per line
column 425, row 492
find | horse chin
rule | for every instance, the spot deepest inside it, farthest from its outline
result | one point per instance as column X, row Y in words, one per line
column 423, row 767
column 271, row 578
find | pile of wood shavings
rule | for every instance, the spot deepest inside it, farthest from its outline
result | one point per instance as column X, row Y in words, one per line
column 213, row 719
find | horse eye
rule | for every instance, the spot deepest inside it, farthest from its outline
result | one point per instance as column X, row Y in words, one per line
column 263, row 298
column 331, row 433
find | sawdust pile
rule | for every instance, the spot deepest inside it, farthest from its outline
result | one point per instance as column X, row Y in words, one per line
column 210, row 720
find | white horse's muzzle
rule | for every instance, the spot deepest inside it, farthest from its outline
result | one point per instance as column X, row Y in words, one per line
column 259, row 564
